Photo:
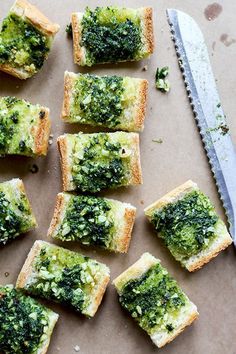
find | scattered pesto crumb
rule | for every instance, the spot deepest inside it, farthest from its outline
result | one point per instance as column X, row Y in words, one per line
column 162, row 83
column 6, row 274
column 77, row 348
column 218, row 105
column 69, row 30
column 224, row 129
column 158, row 141
column 50, row 141
column 145, row 68
column 33, row 168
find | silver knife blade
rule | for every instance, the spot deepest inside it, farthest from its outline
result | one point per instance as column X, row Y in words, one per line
column 202, row 92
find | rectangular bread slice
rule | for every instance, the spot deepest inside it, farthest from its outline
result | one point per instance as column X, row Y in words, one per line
column 112, row 34
column 187, row 222
column 154, row 299
column 101, row 222
column 64, row 276
column 25, row 127
column 26, row 38
column 16, row 216
column 110, row 101
column 28, row 325
column 92, row 162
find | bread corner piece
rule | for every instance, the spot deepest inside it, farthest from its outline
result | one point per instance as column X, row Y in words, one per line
column 73, row 146
column 146, row 27
column 221, row 239
column 12, row 299
column 85, row 298
column 174, row 321
column 31, row 15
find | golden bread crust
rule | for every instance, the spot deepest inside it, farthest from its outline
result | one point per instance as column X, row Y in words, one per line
column 97, row 295
column 76, row 38
column 68, row 87
column 123, row 244
column 41, row 133
column 65, row 165
column 148, row 29
column 136, row 171
column 57, row 216
column 141, row 111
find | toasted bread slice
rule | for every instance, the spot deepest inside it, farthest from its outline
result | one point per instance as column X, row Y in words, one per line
column 218, row 241
column 25, row 127
column 16, row 215
column 22, row 58
column 109, row 101
column 139, row 35
column 11, row 303
column 101, row 222
column 51, row 271
column 146, row 278
column 92, row 162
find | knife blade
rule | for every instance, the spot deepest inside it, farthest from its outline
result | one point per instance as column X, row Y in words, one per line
column 201, row 88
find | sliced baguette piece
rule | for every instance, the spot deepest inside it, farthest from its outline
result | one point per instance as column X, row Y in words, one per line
column 219, row 243
column 51, row 317
column 62, row 261
column 29, row 125
column 72, row 147
column 87, row 215
column 16, row 212
column 132, row 100
column 31, row 15
column 81, row 53
column 187, row 313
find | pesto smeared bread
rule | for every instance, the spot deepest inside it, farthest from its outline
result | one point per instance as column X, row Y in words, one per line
column 64, row 276
column 26, row 37
column 92, row 162
column 110, row 101
column 112, row 34
column 154, row 300
column 16, row 215
column 187, row 222
column 26, row 325
column 24, row 127
column 101, row 222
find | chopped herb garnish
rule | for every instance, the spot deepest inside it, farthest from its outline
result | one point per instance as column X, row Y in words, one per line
column 69, row 30
column 162, row 83
column 158, row 141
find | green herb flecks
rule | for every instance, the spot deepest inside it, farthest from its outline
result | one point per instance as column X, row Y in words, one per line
column 87, row 220
column 162, row 83
column 187, row 226
column 158, row 141
column 97, row 100
column 109, row 38
column 69, row 30
column 152, row 298
column 23, row 322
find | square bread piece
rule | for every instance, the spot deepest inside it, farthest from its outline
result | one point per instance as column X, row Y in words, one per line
column 67, row 277
column 187, row 222
column 112, row 34
column 25, row 127
column 26, row 325
column 101, row 222
column 110, row 101
column 154, row 300
column 92, row 162
column 26, row 37
column 16, row 215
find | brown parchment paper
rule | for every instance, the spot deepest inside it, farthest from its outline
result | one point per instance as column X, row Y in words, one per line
column 165, row 166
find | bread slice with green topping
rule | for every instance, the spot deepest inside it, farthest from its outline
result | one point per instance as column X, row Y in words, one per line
column 110, row 101
column 101, row 222
column 112, row 34
column 25, row 127
column 26, row 38
column 92, row 162
column 16, row 215
column 64, row 276
column 26, row 325
column 155, row 300
column 187, row 222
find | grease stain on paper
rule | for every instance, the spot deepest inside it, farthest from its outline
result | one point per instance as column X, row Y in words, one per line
column 212, row 11
column 226, row 40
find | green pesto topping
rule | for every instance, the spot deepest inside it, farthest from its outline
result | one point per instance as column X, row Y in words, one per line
column 22, row 45
column 153, row 299
column 64, row 276
column 111, row 34
column 24, row 322
column 15, row 216
column 17, row 118
column 88, row 220
column 97, row 100
column 162, row 83
column 100, row 165
column 187, row 226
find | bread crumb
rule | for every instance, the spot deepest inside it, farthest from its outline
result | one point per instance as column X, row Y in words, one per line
column 6, row 274
column 145, row 68
column 77, row 348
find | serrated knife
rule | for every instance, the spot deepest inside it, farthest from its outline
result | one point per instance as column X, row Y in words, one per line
column 201, row 88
